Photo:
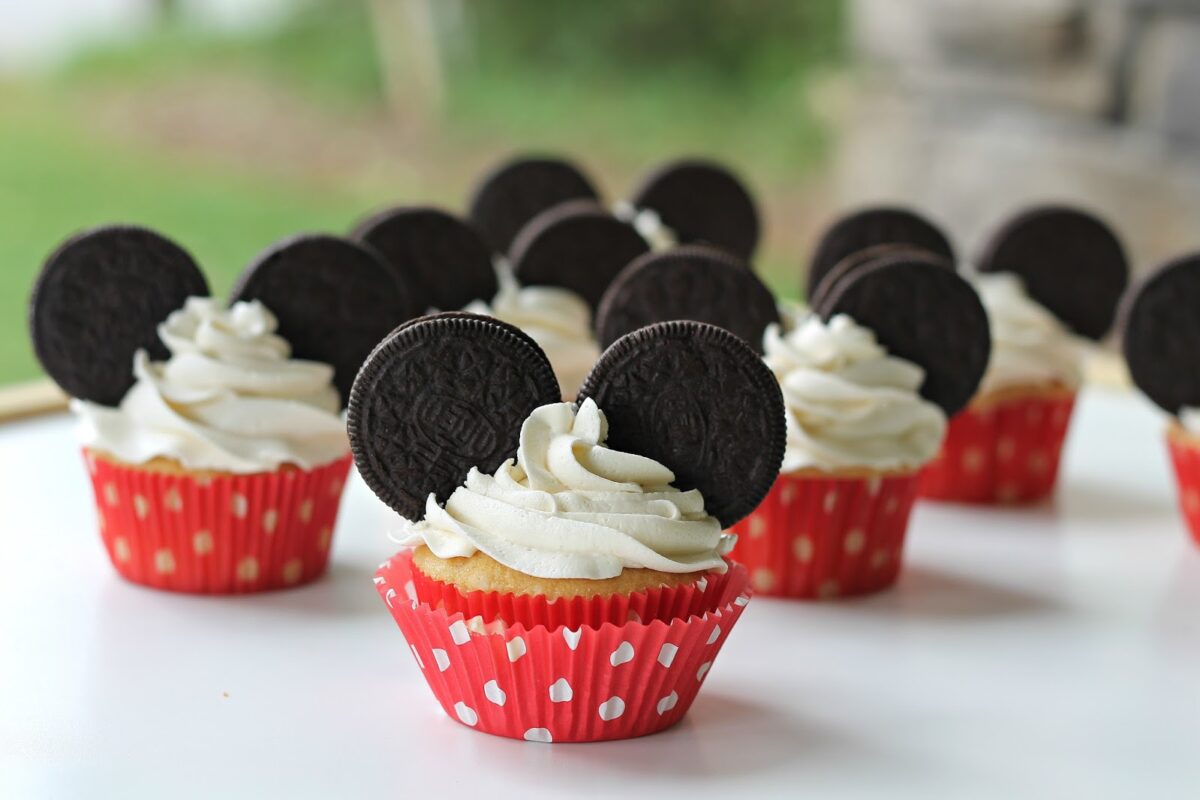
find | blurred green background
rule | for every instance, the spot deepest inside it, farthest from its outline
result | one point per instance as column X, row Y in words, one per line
column 228, row 140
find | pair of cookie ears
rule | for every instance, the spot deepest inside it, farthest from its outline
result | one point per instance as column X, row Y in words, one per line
column 1070, row 261
column 103, row 293
column 449, row 392
column 1160, row 327
column 699, row 200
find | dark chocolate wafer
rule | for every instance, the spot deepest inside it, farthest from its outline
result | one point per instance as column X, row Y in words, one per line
column 1070, row 261
column 1160, row 322
column 693, row 282
column 99, row 298
column 924, row 313
column 700, row 401
column 335, row 299
column 702, row 202
column 442, row 258
column 439, row 396
column 870, row 227
column 518, row 190
column 575, row 245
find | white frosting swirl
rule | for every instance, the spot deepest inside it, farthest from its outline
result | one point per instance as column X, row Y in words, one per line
column 849, row 404
column 1030, row 346
column 557, row 319
column 228, row 399
column 569, row 507
column 1189, row 418
column 648, row 223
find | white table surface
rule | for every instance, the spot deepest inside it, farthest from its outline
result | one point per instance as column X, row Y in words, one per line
column 1051, row 652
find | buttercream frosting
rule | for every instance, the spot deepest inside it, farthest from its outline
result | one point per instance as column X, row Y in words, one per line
column 1030, row 346
column 229, row 398
column 849, row 404
column 570, row 507
column 557, row 319
column 648, row 223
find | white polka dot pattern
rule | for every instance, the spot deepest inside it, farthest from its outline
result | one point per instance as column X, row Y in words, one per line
column 569, row 684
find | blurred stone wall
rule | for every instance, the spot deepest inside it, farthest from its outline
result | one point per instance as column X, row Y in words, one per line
column 971, row 108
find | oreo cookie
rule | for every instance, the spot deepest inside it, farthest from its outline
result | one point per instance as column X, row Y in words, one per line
column 1161, row 334
column 517, row 191
column 438, row 396
column 1070, row 261
column 702, row 202
column 692, row 282
column 575, row 245
column 335, row 300
column 871, row 227
column 443, row 259
column 852, row 263
column 99, row 298
column 924, row 313
column 700, row 401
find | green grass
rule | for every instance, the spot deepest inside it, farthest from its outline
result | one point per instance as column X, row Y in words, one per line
column 56, row 178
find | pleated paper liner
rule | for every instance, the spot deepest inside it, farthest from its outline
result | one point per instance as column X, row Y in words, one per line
column 561, row 684
column 663, row 603
column 225, row 534
column 817, row 537
column 1185, row 457
column 1002, row 452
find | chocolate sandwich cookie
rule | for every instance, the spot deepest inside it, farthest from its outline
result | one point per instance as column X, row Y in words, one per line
column 692, row 282
column 335, row 299
column 702, row 202
column 575, row 245
column 439, row 396
column 442, row 258
column 924, row 313
column 700, row 401
column 1160, row 325
column 1070, row 262
column 518, row 190
column 869, row 228
column 99, row 298
column 852, row 263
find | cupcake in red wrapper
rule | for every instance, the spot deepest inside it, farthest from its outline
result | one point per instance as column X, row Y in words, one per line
column 1050, row 280
column 572, row 593
column 861, row 422
column 1003, row 448
column 1161, row 339
column 218, row 460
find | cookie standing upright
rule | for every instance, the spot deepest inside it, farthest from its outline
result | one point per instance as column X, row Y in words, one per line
column 1160, row 337
column 594, row 614
column 868, row 381
column 696, row 201
column 214, row 444
column 1050, row 278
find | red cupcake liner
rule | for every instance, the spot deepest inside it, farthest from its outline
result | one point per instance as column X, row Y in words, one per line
column 1006, row 452
column 825, row 537
column 560, row 684
column 228, row 534
column 663, row 603
column 1185, row 456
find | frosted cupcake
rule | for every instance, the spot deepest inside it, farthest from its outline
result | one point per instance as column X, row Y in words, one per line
column 578, row 591
column 1050, row 281
column 868, row 382
column 217, row 459
column 1161, row 336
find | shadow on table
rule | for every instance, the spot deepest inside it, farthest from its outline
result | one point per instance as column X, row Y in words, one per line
column 345, row 590
column 933, row 594
column 763, row 737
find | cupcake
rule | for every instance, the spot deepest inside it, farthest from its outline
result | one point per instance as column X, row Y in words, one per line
column 868, row 381
column 1050, row 281
column 563, row 576
column 1160, row 339
column 548, row 286
column 214, row 444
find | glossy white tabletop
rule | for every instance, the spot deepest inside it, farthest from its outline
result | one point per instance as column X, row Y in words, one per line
column 1052, row 651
